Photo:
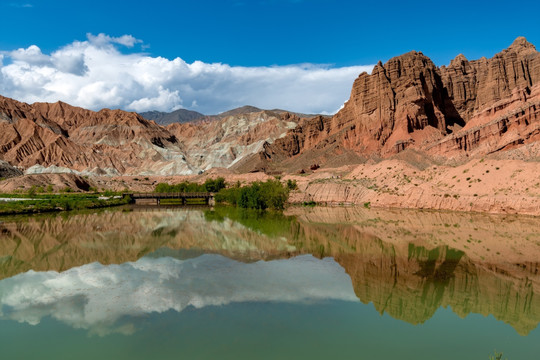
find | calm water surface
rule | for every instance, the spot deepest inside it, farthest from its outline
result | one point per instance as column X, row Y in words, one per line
column 158, row 283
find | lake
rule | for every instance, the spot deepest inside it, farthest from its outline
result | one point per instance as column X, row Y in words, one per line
column 312, row 283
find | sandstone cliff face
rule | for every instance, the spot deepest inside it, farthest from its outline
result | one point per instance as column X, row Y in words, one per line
column 410, row 103
column 474, row 85
column 508, row 124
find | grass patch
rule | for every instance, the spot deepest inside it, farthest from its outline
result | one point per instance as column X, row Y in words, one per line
column 48, row 203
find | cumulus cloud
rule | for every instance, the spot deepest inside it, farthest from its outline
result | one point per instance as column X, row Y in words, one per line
column 105, row 299
column 95, row 73
column 31, row 56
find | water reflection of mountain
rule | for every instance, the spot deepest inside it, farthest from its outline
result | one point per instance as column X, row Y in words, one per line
column 414, row 272
column 56, row 242
column 408, row 264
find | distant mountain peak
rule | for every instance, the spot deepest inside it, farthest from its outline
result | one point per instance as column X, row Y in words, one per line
column 177, row 116
column 246, row 109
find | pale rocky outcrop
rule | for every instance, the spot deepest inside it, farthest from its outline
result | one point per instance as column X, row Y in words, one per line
column 229, row 139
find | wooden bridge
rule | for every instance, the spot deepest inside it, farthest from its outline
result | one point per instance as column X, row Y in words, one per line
column 183, row 196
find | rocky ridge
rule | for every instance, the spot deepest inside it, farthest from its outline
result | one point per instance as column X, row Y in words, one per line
column 468, row 108
column 60, row 138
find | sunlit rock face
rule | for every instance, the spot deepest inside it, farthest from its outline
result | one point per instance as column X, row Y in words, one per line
column 227, row 140
column 451, row 112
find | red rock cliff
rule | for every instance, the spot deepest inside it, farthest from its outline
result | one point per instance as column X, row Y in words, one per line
column 410, row 102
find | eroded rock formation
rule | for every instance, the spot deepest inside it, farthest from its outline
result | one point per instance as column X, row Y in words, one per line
column 47, row 138
column 465, row 109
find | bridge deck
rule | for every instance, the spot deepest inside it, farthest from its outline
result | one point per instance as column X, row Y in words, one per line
column 178, row 195
column 183, row 196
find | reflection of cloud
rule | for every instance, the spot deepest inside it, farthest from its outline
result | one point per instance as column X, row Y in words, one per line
column 98, row 297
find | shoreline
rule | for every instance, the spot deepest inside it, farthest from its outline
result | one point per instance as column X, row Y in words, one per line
column 298, row 205
column 491, row 186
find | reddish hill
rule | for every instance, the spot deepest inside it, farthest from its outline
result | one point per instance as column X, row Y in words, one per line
column 468, row 108
column 59, row 137
column 70, row 137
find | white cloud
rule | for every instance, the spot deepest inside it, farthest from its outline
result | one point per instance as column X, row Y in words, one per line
column 102, row 298
column 18, row 5
column 96, row 74
column 32, row 56
column 104, row 40
column 166, row 99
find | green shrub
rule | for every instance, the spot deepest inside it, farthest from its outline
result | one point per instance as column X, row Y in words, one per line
column 259, row 195
column 214, row 185
column 292, row 185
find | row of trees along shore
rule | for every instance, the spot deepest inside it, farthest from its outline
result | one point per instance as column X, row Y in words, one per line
column 270, row 194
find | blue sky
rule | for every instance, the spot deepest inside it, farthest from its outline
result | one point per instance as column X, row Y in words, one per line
column 267, row 33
